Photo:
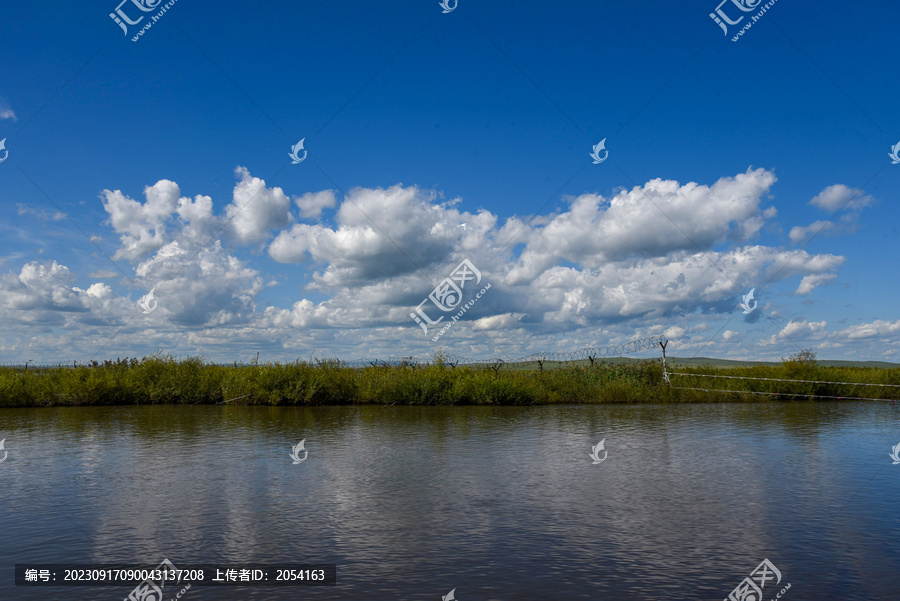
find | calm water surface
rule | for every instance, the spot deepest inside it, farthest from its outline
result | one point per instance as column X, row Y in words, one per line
column 500, row 503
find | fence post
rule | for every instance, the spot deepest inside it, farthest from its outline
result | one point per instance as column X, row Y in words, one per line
column 665, row 373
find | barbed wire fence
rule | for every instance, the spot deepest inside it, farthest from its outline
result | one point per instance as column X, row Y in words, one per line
column 40, row 365
column 668, row 374
column 590, row 355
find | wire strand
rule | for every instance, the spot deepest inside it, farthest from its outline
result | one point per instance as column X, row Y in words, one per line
column 673, row 373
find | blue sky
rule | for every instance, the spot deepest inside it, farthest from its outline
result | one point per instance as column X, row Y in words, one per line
column 163, row 164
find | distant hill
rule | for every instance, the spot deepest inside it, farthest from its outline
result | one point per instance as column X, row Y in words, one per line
column 723, row 363
column 529, row 365
column 695, row 362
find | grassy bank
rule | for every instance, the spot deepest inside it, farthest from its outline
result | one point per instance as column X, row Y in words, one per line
column 163, row 380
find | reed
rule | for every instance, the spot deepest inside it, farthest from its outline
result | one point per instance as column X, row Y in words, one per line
column 165, row 380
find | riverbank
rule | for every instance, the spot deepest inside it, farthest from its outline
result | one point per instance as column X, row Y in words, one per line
column 163, row 380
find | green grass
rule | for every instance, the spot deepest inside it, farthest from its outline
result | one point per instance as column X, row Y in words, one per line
column 164, row 380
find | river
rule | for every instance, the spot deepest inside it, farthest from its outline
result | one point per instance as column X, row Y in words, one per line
column 495, row 503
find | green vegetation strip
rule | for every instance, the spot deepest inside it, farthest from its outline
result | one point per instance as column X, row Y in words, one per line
column 165, row 380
